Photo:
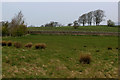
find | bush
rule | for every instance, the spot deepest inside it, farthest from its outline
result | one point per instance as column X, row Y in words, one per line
column 37, row 46
column 40, row 46
column 17, row 45
column 110, row 23
column 85, row 58
column 43, row 46
column 17, row 26
column 19, row 31
column 28, row 45
column 4, row 43
column 4, row 31
column 9, row 43
column 75, row 25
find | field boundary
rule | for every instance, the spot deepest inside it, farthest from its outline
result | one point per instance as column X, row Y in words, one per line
column 74, row 33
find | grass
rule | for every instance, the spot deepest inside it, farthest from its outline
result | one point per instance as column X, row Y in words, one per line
column 81, row 28
column 61, row 57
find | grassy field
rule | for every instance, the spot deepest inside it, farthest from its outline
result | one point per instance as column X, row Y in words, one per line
column 81, row 28
column 61, row 57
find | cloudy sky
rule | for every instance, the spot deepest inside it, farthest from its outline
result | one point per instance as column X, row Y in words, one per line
column 38, row 13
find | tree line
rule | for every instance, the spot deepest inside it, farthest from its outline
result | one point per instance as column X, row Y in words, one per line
column 17, row 26
column 92, row 17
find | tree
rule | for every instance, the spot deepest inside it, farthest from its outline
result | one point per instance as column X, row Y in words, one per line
column 5, row 31
column 89, row 18
column 75, row 24
column 83, row 19
column 98, row 16
column 17, row 26
column 110, row 23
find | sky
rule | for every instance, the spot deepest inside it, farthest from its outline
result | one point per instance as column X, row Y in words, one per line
column 39, row 13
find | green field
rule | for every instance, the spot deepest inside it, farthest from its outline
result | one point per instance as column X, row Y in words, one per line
column 61, row 57
column 81, row 28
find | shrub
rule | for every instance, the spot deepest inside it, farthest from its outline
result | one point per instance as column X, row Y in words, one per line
column 85, row 58
column 28, row 45
column 17, row 45
column 43, row 46
column 9, row 43
column 110, row 23
column 4, row 43
column 40, row 46
column 19, row 31
column 17, row 25
column 75, row 24
column 37, row 46
column 4, row 31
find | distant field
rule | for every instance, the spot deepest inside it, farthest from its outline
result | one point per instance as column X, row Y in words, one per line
column 81, row 28
column 61, row 57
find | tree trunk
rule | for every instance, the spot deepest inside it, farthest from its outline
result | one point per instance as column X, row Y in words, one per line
column 83, row 24
column 90, row 23
column 96, row 23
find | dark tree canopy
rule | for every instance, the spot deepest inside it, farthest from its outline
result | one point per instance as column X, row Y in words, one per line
column 98, row 16
column 83, row 19
column 90, row 18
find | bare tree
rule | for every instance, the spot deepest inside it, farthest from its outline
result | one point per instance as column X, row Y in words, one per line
column 83, row 19
column 98, row 16
column 90, row 18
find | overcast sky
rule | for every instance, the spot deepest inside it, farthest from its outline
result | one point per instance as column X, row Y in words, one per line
column 38, row 13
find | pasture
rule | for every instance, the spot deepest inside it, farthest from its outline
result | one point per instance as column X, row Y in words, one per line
column 80, row 28
column 61, row 57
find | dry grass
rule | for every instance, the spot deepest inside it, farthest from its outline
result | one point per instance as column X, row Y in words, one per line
column 9, row 43
column 4, row 43
column 85, row 58
column 43, row 45
column 17, row 45
column 40, row 46
column 28, row 45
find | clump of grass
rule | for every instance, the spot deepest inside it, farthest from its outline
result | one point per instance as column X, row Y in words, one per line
column 17, row 45
column 109, row 48
column 97, row 50
column 28, row 45
column 40, row 46
column 9, row 43
column 37, row 46
column 84, row 46
column 4, row 43
column 85, row 58
column 117, row 48
column 43, row 45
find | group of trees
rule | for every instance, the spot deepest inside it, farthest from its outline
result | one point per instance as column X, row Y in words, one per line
column 16, row 27
column 52, row 24
column 92, row 17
